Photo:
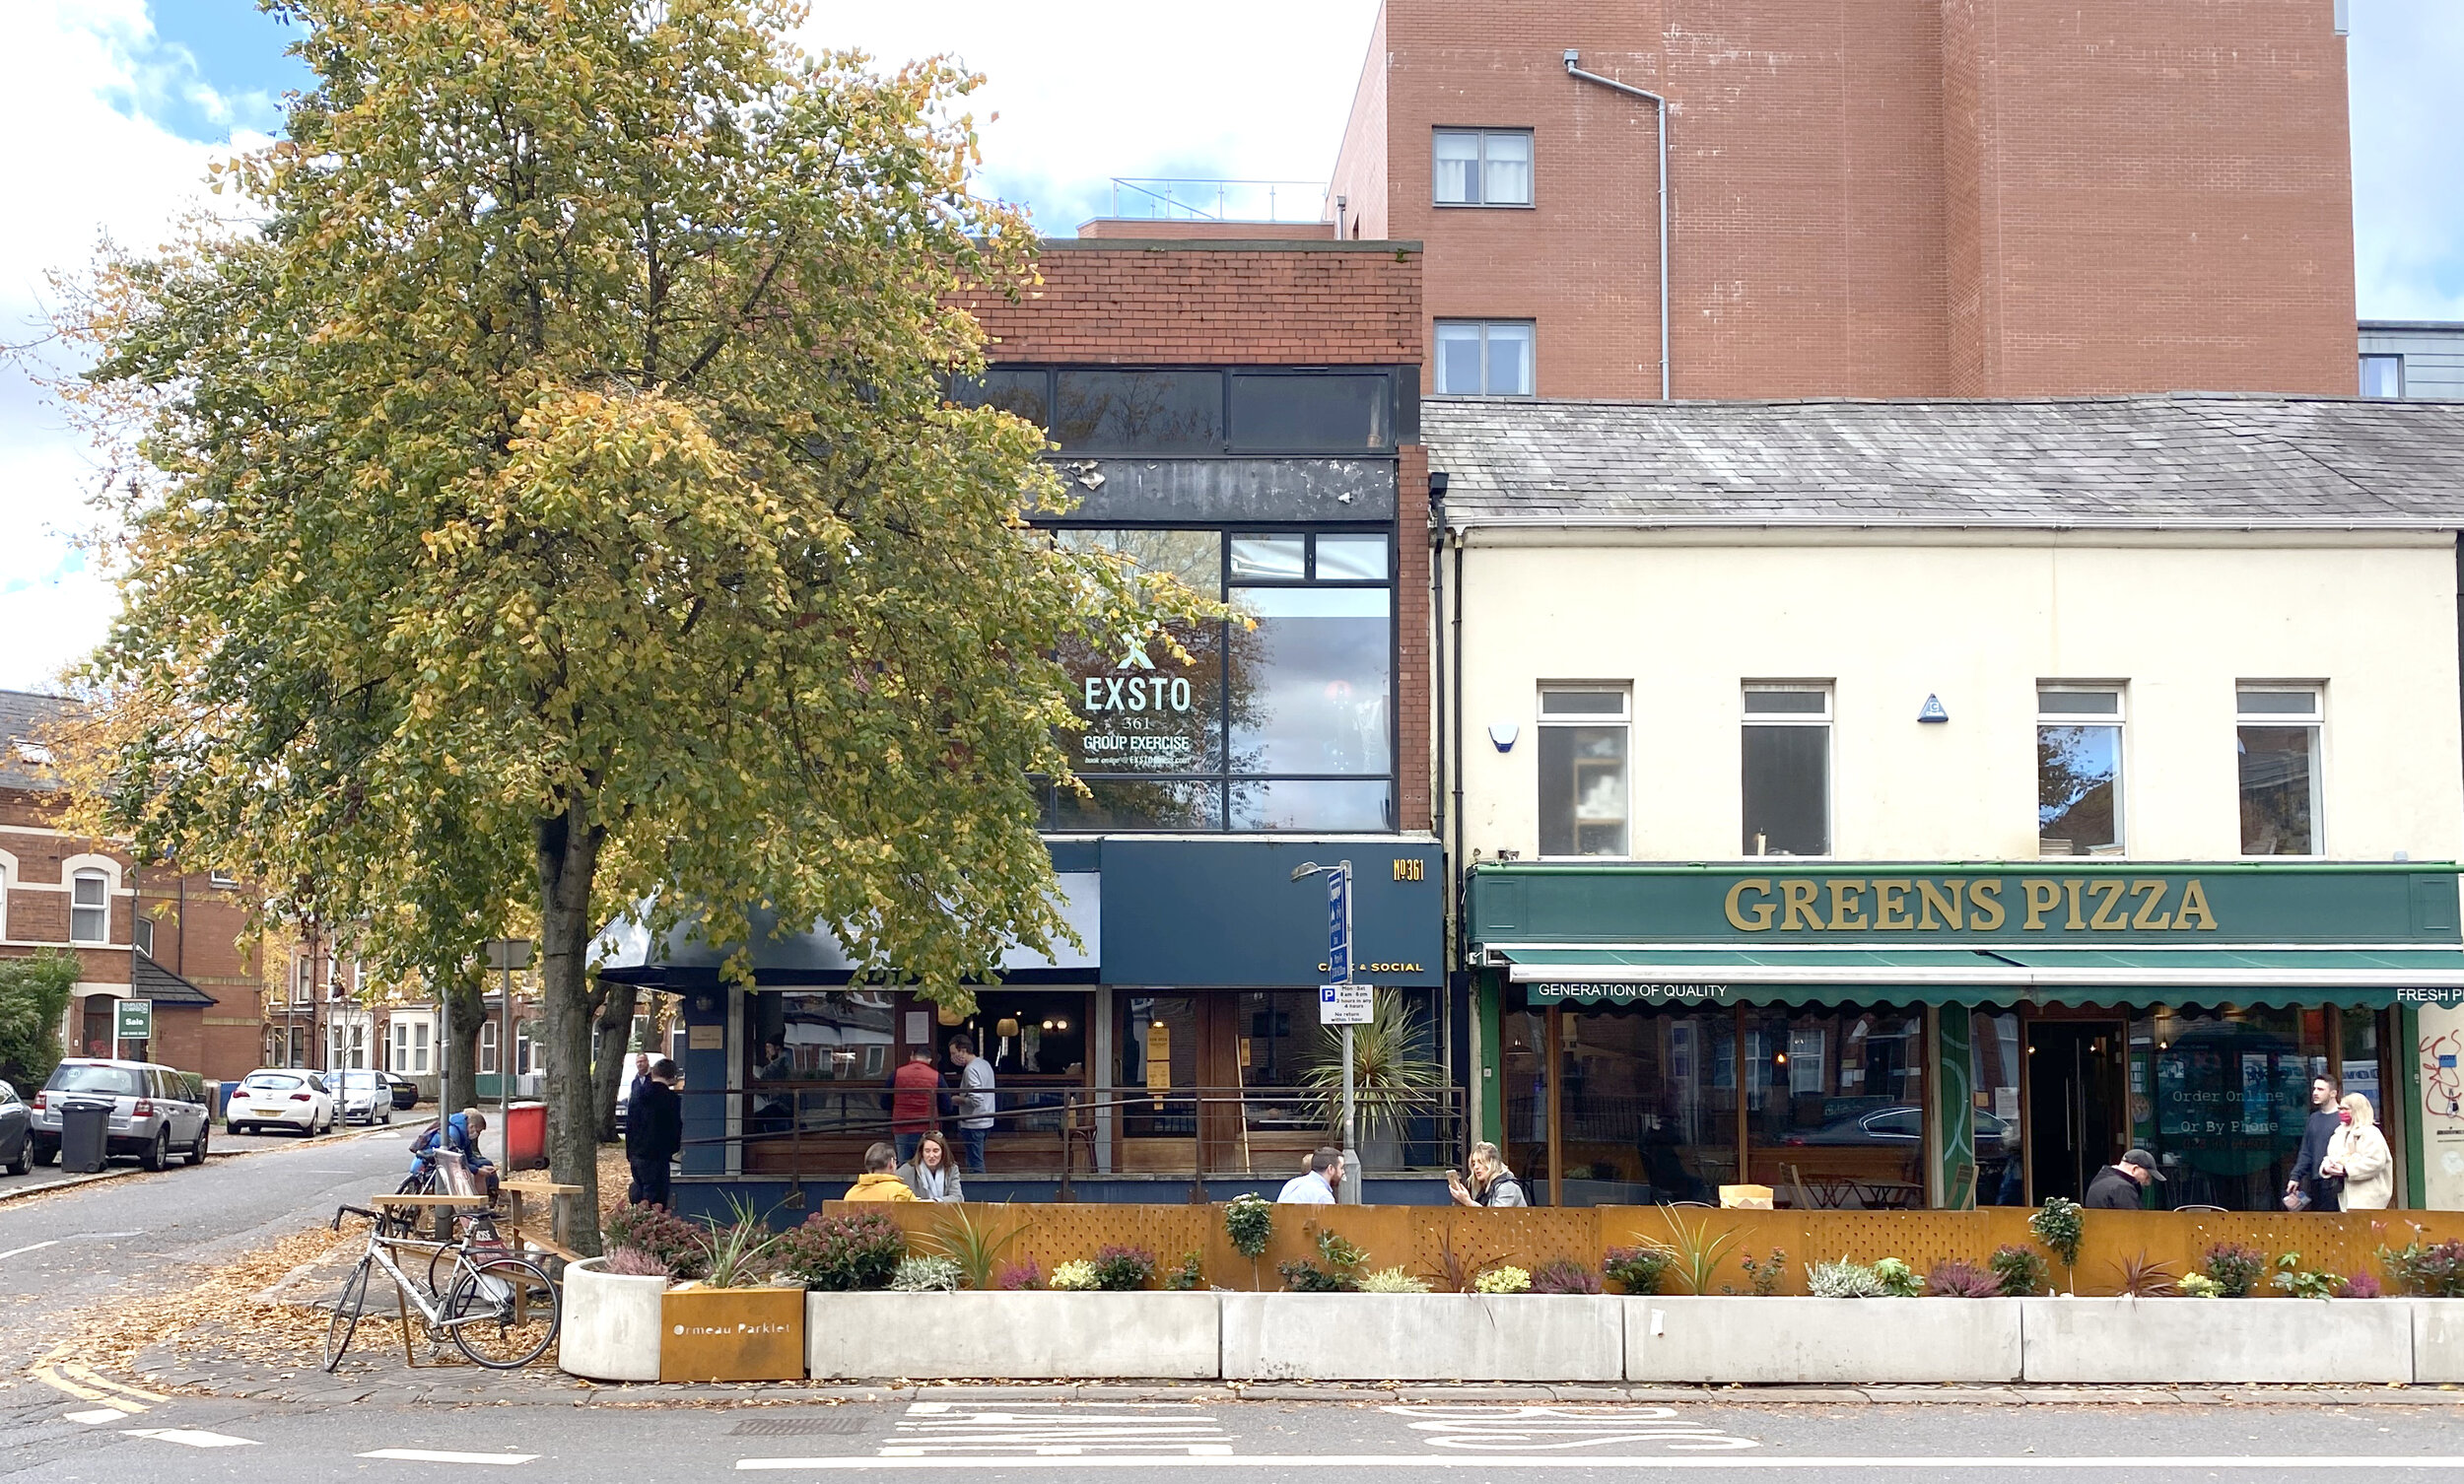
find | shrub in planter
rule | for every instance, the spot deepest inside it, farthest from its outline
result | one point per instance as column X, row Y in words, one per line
column 2200, row 1286
column 841, row 1253
column 2021, row 1270
column 1844, row 1279
column 1898, row 1280
column 1564, row 1276
column 2432, row 1270
column 1189, row 1276
column 2295, row 1282
column 928, row 1275
column 2057, row 1224
column 1637, row 1270
column 1118, row 1270
column 1076, row 1277
column 1763, row 1278
column 1502, row 1280
column 2233, row 1269
column 1249, row 1222
column 1015, row 1276
column 681, row 1246
column 1341, row 1274
column 1392, row 1280
column 632, row 1262
column 1958, row 1278
column 743, row 1253
column 2361, row 1285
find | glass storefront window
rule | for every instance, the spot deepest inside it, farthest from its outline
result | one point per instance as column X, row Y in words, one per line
column 2359, row 1031
column 1650, row 1106
column 1996, row 1061
column 1522, row 1095
column 1310, row 691
column 1312, row 804
column 1139, row 411
column 2230, row 1093
column 1158, row 1050
column 1835, row 1102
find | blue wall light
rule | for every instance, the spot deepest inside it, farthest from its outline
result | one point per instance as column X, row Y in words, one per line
column 1931, row 710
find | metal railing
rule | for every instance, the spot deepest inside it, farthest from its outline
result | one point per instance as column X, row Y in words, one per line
column 819, row 1131
column 1200, row 200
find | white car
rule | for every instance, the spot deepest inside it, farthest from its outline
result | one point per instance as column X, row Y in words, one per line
column 366, row 1097
column 280, row 1096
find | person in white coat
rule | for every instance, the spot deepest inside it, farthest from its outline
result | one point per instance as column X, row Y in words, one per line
column 2358, row 1151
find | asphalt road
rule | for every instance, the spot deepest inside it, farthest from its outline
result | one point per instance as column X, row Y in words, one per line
column 224, row 1143
column 62, row 1250
column 1170, row 1442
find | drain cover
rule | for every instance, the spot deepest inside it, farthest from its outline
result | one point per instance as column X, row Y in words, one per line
column 796, row 1427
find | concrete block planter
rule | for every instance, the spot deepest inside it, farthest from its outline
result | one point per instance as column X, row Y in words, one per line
column 1821, row 1341
column 2216, row 1341
column 610, row 1324
column 1028, row 1336
column 1421, row 1338
column 2437, row 1340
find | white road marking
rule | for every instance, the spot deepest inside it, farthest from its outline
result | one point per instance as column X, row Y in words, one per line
column 958, row 1430
column 37, row 1248
column 2273, row 1462
column 189, row 1436
column 98, row 1416
column 1506, row 1428
column 431, row 1456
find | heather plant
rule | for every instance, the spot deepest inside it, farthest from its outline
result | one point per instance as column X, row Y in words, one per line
column 841, row 1253
column 1637, row 1270
column 1958, row 1278
column 633, row 1262
column 2235, row 1270
column 1017, row 1276
column 1564, row 1276
column 2361, row 1285
column 1118, row 1270
column 681, row 1246
column 2022, row 1270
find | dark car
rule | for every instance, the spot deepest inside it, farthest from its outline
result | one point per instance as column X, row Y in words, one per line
column 1904, row 1124
column 17, row 1132
column 405, row 1091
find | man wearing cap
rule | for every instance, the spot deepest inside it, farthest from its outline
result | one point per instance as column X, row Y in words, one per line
column 2116, row 1187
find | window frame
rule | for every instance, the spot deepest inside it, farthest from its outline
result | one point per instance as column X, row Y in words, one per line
column 1824, row 720
column 2119, row 721
column 1483, row 133
column 1438, row 328
column 77, row 909
column 140, row 933
column 1622, row 717
column 1399, row 417
column 1225, row 778
column 2368, row 356
column 2315, row 720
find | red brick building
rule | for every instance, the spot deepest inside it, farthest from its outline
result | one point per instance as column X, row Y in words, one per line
column 173, row 939
column 1866, row 197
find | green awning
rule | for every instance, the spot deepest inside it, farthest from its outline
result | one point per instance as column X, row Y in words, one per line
column 2360, row 978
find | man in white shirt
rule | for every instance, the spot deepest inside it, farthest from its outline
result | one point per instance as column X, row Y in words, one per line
column 1317, row 1184
column 975, row 1102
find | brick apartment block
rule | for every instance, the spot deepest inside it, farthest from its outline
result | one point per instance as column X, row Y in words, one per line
column 1883, row 197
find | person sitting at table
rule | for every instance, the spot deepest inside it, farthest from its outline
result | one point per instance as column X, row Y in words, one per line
column 880, row 1181
column 1491, row 1184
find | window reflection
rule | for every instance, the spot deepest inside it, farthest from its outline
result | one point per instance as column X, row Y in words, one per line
column 1140, row 410
column 1309, row 688
column 1311, row 804
column 1835, row 1106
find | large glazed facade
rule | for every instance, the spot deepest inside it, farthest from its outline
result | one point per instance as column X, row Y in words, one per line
column 1905, row 804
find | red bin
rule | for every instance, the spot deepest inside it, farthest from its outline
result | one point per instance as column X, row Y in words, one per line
column 526, row 1135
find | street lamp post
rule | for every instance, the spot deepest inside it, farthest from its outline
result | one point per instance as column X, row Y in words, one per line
column 1339, row 971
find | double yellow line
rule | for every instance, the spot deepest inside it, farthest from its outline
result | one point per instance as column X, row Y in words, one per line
column 84, row 1384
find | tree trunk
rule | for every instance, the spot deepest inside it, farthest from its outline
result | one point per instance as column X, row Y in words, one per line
column 465, row 1011
column 569, row 858
column 614, row 1038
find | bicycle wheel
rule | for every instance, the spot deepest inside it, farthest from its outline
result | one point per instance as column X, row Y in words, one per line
column 346, row 1317
column 485, row 1246
column 502, row 1312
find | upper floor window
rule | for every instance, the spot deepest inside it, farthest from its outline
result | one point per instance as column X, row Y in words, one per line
column 1483, row 167
column 221, row 878
column 2277, row 742
column 1484, row 357
column 89, row 907
column 1163, row 410
column 1787, row 751
column 2382, row 376
column 1583, row 769
column 141, row 932
column 2079, row 770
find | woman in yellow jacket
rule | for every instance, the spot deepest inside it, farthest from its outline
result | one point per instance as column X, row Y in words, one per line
column 2358, row 1151
column 880, row 1181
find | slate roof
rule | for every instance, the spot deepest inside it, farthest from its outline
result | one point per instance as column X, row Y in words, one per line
column 22, row 715
column 151, row 981
column 2182, row 461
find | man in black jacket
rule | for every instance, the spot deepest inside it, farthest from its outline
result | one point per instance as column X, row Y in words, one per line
column 2325, row 1192
column 654, row 1132
column 2116, row 1187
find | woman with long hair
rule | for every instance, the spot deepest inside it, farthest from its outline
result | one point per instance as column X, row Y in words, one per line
column 2358, row 1151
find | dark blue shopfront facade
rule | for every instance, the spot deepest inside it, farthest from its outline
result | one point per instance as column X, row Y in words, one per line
column 1184, row 1026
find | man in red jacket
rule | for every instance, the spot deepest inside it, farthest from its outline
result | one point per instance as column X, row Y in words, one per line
column 915, row 1101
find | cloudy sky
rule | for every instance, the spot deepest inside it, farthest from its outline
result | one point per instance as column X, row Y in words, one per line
column 114, row 106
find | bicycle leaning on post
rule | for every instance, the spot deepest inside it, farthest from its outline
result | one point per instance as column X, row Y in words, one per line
column 498, row 1309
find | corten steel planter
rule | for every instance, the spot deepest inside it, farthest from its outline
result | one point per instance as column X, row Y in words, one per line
column 731, row 1334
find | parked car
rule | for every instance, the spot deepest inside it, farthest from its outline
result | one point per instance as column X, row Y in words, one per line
column 155, row 1108
column 405, row 1091
column 280, row 1096
column 17, row 1131
column 363, row 1096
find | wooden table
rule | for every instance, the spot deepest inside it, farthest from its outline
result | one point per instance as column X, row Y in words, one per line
column 521, row 1219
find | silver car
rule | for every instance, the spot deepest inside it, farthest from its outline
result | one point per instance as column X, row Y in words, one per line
column 155, row 1109
column 362, row 1097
